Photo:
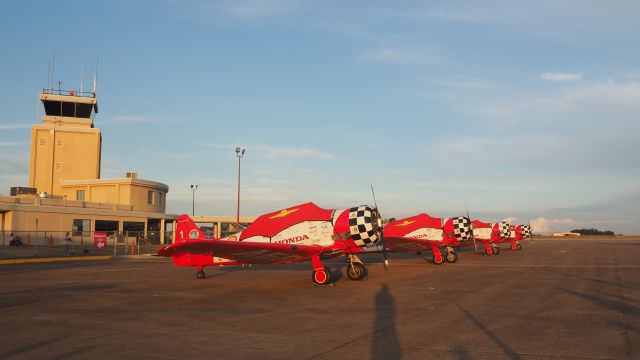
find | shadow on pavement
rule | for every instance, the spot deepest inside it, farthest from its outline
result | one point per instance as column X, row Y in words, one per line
column 385, row 343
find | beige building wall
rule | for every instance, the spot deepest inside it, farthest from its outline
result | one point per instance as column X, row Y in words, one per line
column 60, row 151
column 133, row 193
column 38, row 220
column 66, row 156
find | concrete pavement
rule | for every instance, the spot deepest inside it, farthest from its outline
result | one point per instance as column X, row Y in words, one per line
column 554, row 299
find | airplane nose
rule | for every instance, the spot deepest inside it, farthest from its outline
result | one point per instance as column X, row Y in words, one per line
column 365, row 225
column 505, row 229
column 526, row 230
column 461, row 228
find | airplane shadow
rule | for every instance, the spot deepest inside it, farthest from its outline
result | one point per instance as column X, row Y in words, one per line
column 610, row 304
column 385, row 343
column 218, row 271
column 508, row 351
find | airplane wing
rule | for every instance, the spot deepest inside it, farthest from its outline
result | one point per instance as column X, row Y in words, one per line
column 408, row 244
column 244, row 251
column 415, row 233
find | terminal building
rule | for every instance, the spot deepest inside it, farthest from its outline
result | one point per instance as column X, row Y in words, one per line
column 67, row 194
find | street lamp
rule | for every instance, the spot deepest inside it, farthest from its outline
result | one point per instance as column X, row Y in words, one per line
column 193, row 199
column 239, row 154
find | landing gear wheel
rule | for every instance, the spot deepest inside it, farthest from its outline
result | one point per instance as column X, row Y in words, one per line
column 438, row 259
column 452, row 256
column 356, row 271
column 321, row 277
column 518, row 247
column 496, row 250
column 200, row 274
column 514, row 247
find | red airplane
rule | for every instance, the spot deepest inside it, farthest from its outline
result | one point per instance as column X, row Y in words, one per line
column 423, row 232
column 515, row 237
column 491, row 234
column 290, row 235
column 518, row 233
column 525, row 231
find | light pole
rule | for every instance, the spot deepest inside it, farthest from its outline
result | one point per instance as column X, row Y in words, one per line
column 193, row 199
column 239, row 154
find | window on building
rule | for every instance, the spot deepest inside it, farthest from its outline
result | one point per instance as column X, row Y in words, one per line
column 58, row 166
column 42, row 141
column 81, row 227
column 80, row 195
column 150, row 197
column 108, row 226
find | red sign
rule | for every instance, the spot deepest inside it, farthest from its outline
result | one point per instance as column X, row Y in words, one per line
column 99, row 241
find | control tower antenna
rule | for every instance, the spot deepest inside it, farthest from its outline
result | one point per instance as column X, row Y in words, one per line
column 81, row 73
column 95, row 78
column 53, row 68
column 49, row 75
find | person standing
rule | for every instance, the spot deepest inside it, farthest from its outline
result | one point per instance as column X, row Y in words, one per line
column 67, row 242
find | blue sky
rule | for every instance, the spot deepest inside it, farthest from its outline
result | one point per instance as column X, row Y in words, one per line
column 518, row 109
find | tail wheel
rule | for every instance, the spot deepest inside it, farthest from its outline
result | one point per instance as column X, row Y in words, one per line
column 321, row 277
column 438, row 259
column 496, row 250
column 356, row 271
column 200, row 274
column 519, row 247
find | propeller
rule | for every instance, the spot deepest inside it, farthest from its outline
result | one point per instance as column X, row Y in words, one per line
column 530, row 230
column 475, row 245
column 385, row 255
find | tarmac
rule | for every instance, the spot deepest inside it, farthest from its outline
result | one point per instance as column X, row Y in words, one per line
column 555, row 299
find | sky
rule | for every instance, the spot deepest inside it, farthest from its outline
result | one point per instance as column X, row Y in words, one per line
column 522, row 110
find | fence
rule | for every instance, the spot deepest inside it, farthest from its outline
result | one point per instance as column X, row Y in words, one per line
column 51, row 243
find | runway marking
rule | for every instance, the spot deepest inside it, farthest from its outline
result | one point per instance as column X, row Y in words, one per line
column 427, row 264
column 56, row 259
column 556, row 266
column 110, row 270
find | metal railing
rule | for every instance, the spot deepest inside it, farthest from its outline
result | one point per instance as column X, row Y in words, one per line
column 83, row 243
column 69, row 92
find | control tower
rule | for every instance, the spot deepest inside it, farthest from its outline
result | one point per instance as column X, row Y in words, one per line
column 65, row 145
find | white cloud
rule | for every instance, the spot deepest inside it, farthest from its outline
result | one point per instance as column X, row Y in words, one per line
column 271, row 152
column 470, row 83
column 561, row 76
column 402, row 56
column 569, row 16
column 14, row 126
column 10, row 143
column 510, row 219
column 127, row 119
column 253, row 8
column 543, row 225
column 294, row 153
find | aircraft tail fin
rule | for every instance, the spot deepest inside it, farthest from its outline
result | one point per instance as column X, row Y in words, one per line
column 186, row 229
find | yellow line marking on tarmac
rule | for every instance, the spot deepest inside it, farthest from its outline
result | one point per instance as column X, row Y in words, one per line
column 56, row 259
column 109, row 270
column 552, row 266
column 504, row 265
